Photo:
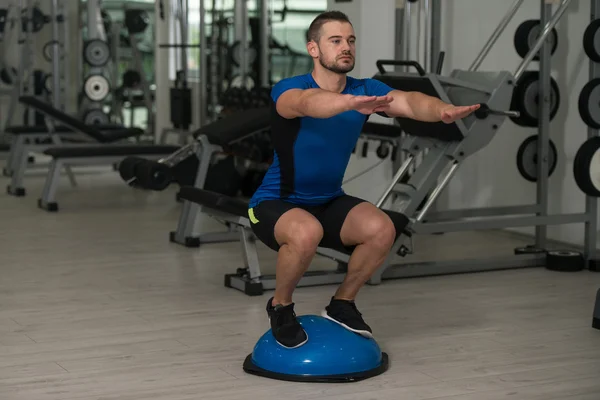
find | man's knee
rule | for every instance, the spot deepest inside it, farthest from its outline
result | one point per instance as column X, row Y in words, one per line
column 303, row 235
column 380, row 231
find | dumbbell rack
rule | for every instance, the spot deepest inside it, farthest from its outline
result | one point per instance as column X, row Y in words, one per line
column 96, row 86
column 25, row 65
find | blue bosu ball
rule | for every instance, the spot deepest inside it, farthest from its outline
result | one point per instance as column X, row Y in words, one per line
column 331, row 354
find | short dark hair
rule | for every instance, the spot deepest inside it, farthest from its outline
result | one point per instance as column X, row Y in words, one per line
column 314, row 30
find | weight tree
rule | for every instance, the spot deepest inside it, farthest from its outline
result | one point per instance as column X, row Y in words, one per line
column 585, row 164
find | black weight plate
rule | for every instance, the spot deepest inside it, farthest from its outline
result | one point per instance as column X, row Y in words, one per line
column 128, row 166
column 96, row 116
column 527, row 34
column 96, row 52
column 564, row 261
column 586, row 167
column 525, row 99
column 589, row 103
column 591, row 40
column 136, row 21
column 131, row 78
column 527, row 158
column 529, row 250
column 153, row 175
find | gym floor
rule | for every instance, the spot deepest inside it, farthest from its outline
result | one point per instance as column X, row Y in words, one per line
column 95, row 303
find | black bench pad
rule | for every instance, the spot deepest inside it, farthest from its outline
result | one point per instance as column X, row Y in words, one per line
column 74, row 123
column 108, row 150
column 236, row 126
column 382, row 130
column 214, row 200
column 30, row 130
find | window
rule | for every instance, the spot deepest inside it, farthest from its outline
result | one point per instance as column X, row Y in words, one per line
column 287, row 29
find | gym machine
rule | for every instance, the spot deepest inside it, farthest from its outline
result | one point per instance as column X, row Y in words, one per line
column 443, row 147
column 191, row 165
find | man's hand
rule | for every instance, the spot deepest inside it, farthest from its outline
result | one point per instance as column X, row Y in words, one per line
column 369, row 104
column 452, row 113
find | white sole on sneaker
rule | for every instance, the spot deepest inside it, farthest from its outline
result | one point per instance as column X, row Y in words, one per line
column 366, row 334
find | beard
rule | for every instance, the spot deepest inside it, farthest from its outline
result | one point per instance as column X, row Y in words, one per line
column 335, row 67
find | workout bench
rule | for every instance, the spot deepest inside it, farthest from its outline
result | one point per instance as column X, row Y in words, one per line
column 216, row 137
column 105, row 149
column 38, row 135
column 28, row 139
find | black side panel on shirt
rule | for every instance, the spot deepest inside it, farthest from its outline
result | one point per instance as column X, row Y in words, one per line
column 284, row 133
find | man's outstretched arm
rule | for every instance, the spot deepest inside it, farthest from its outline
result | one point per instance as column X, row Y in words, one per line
column 318, row 103
column 421, row 107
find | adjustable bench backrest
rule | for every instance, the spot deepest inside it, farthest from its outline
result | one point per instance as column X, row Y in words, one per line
column 63, row 118
column 436, row 130
column 236, row 127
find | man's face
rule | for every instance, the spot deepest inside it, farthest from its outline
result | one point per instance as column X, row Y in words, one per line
column 337, row 47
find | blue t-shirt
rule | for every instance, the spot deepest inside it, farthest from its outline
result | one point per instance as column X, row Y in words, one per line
column 312, row 154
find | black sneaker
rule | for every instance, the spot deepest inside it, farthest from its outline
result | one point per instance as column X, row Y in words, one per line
column 345, row 313
column 285, row 327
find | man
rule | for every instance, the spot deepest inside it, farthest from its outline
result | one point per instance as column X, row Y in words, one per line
column 300, row 205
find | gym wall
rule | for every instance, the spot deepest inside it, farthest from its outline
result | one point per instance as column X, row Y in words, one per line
column 490, row 177
column 373, row 23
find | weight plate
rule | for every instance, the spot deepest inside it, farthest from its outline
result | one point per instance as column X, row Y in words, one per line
column 586, row 167
column 131, row 78
column 235, row 53
column 96, row 116
column 529, row 250
column 589, row 103
column 591, row 40
column 48, row 84
column 48, row 50
column 136, row 21
column 525, row 99
column 564, row 260
column 527, row 158
column 527, row 34
column 96, row 52
column 96, row 87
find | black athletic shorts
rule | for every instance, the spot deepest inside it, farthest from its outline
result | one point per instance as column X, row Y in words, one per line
column 331, row 215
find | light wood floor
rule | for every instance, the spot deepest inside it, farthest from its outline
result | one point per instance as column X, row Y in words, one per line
column 95, row 303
